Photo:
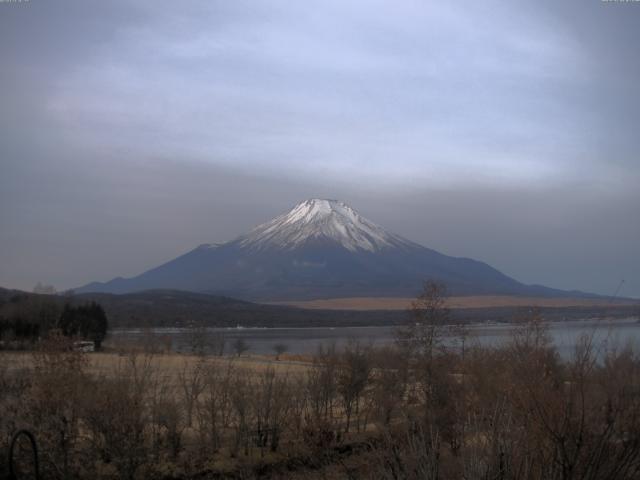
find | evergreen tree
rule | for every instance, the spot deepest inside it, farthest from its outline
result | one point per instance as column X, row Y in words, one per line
column 87, row 321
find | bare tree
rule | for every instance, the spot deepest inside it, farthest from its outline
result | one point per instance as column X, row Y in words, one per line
column 215, row 409
column 55, row 402
column 322, row 384
column 353, row 376
column 190, row 379
column 169, row 417
column 116, row 416
column 271, row 406
column 410, row 454
column 429, row 315
column 240, row 346
column 242, row 413
column 390, row 383
column 218, row 343
column 279, row 349
column 519, row 410
column 198, row 338
column 298, row 404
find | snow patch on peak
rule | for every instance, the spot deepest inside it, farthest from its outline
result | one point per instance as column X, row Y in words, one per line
column 321, row 220
column 318, row 209
column 208, row 246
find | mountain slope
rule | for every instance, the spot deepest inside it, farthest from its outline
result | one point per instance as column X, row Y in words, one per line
column 319, row 249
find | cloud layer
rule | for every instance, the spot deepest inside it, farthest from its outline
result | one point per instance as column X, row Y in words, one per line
column 132, row 131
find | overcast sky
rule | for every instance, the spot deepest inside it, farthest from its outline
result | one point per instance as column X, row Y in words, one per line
column 132, row 131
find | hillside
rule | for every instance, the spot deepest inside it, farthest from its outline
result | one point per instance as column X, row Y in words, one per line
column 172, row 308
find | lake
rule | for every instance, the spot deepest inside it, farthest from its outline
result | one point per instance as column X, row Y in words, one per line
column 606, row 333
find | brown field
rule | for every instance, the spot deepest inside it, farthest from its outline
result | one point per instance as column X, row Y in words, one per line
column 477, row 301
column 170, row 364
column 362, row 413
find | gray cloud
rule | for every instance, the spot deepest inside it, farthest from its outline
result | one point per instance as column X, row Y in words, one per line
column 131, row 131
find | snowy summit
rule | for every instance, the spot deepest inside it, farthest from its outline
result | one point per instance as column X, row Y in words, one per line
column 321, row 221
column 319, row 249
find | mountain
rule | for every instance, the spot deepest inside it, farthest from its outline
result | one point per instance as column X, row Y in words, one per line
column 320, row 249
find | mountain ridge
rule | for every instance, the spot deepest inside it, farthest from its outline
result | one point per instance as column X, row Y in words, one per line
column 320, row 248
column 176, row 308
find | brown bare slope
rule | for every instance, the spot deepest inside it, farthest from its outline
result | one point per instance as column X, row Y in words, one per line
column 476, row 301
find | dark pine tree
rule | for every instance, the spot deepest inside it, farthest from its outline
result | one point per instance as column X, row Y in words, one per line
column 87, row 321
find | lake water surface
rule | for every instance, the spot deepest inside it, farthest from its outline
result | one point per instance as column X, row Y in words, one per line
column 605, row 333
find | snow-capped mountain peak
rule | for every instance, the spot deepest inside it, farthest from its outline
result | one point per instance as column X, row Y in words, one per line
column 319, row 249
column 321, row 220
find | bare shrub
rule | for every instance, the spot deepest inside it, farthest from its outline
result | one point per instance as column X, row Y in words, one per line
column 423, row 334
column 353, row 374
column 214, row 410
column 243, row 413
column 240, row 346
column 59, row 384
column 279, row 349
column 516, row 411
column 390, row 384
column 15, row 391
column 191, row 383
column 410, row 454
column 202, row 340
column 322, row 384
column 117, row 416
column 298, row 404
column 271, row 404
column 169, row 417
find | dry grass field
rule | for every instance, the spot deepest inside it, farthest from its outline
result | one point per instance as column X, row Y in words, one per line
column 417, row 408
column 478, row 301
column 170, row 364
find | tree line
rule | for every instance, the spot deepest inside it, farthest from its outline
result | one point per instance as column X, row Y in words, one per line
column 24, row 319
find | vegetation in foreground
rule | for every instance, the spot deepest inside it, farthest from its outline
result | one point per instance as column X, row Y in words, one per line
column 413, row 411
